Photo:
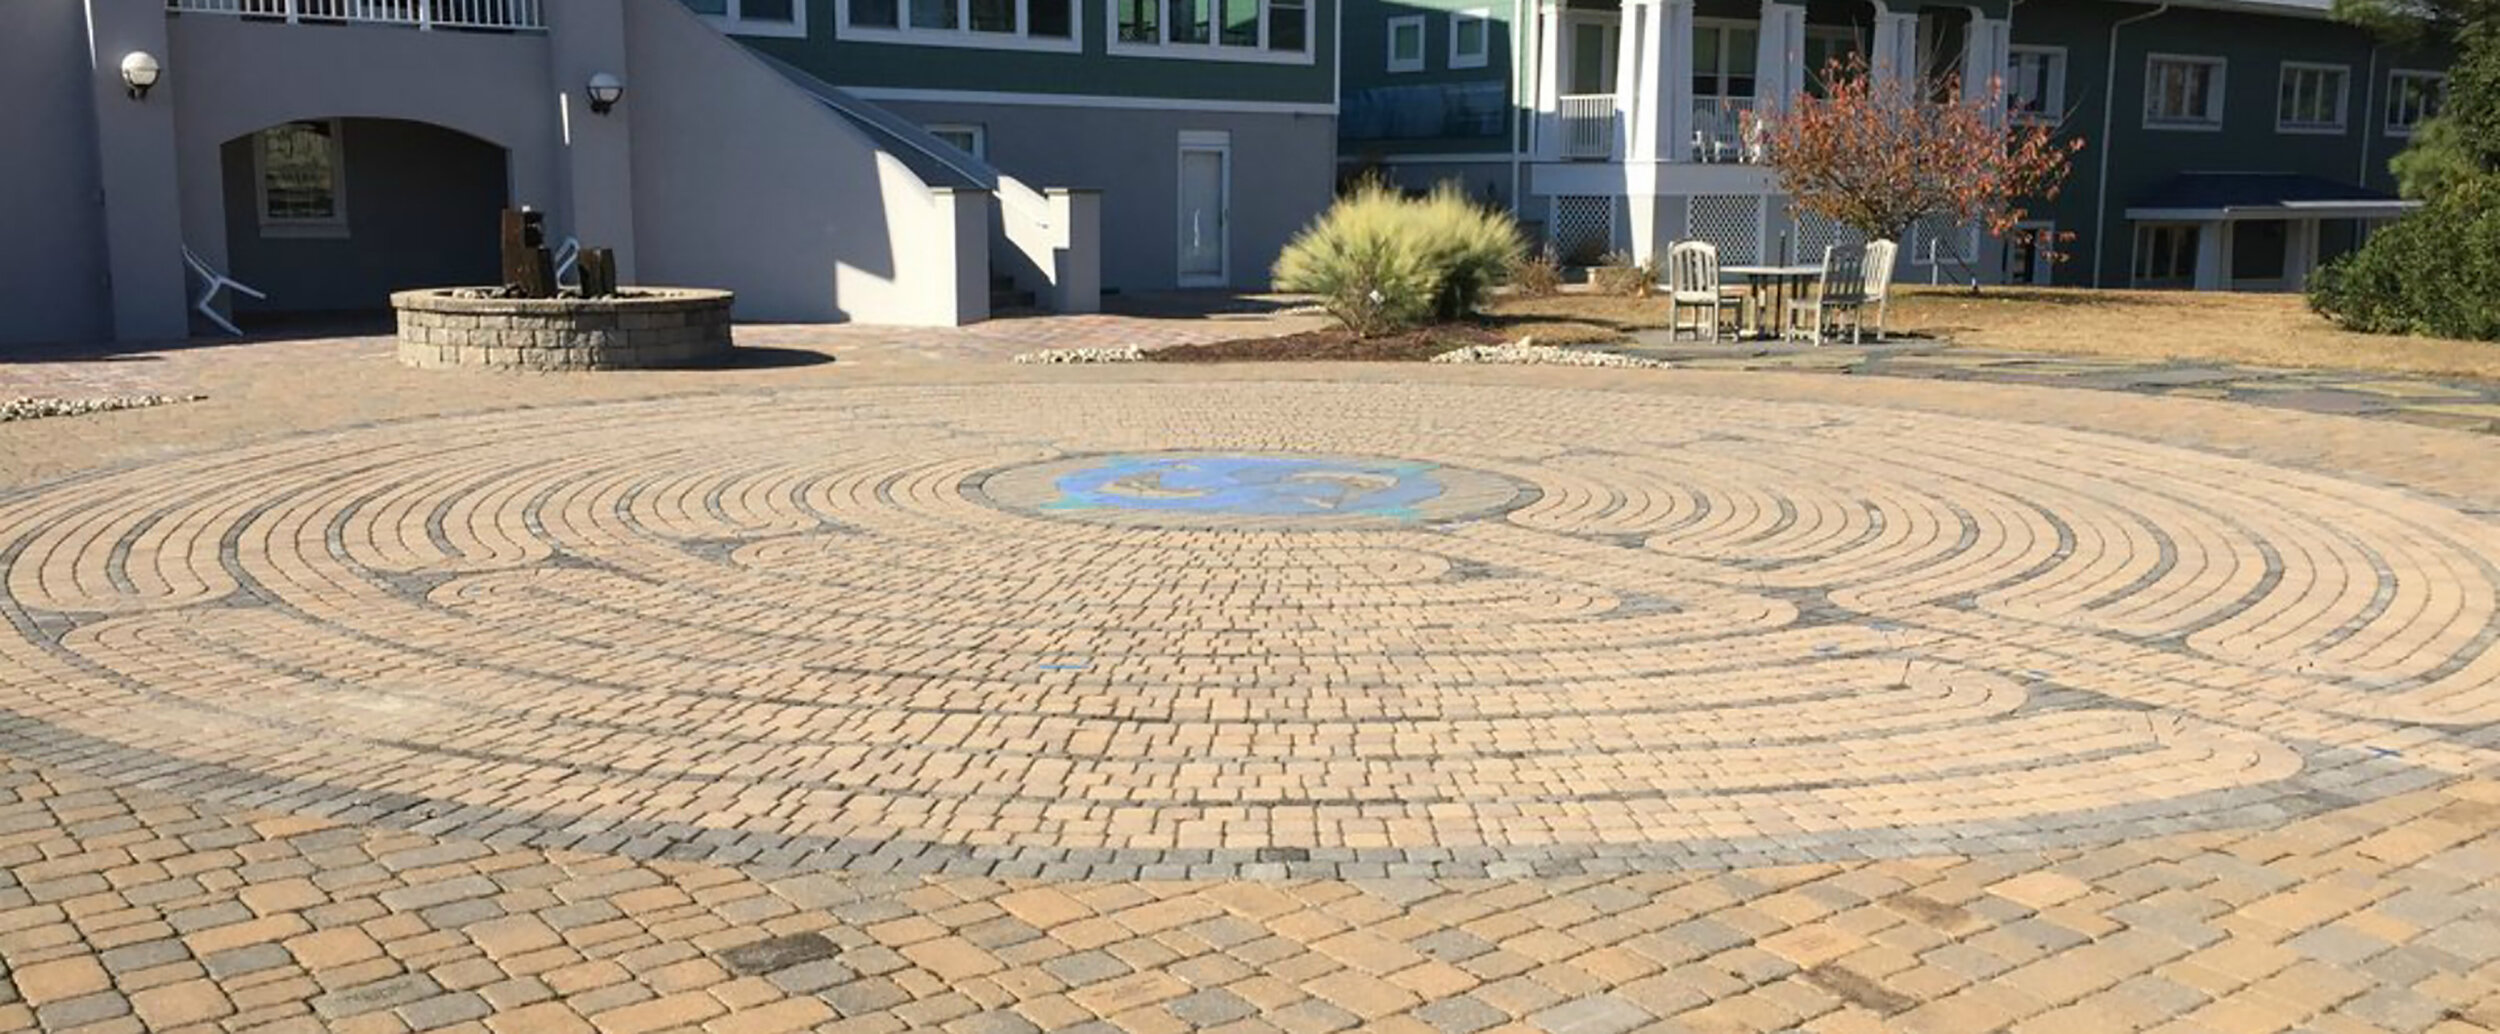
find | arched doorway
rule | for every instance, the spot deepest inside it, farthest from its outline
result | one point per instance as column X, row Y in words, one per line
column 329, row 216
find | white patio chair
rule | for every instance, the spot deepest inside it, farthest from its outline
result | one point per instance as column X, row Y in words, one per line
column 1879, row 263
column 1693, row 283
column 1842, row 292
column 212, row 282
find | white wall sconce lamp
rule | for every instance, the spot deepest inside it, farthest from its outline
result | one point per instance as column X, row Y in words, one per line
column 140, row 71
column 605, row 91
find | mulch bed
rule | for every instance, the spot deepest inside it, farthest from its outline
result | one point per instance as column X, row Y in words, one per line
column 1335, row 345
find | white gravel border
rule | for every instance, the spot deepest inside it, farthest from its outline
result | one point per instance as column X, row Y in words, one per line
column 1528, row 353
column 36, row 408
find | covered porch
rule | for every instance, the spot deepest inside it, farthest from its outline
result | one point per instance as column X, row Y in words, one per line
column 1674, row 80
column 2250, row 231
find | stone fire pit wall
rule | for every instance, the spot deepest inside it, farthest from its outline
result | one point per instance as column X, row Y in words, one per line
column 645, row 327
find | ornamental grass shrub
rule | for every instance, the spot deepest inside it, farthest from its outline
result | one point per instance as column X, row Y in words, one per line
column 1539, row 275
column 1618, row 275
column 1381, row 263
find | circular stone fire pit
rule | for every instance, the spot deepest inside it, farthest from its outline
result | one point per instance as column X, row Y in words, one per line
column 642, row 327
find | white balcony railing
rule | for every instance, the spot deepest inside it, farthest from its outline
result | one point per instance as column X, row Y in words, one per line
column 1720, row 132
column 1588, row 125
column 423, row 14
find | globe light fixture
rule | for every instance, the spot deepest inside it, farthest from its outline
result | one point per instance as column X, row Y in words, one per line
column 605, row 90
column 140, row 71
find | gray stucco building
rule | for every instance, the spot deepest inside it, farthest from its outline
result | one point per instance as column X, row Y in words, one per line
column 327, row 152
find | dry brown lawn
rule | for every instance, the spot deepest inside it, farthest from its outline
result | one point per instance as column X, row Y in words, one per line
column 2254, row 329
column 1576, row 318
column 2250, row 329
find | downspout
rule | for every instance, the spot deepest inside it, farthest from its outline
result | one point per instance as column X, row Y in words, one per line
column 2369, row 105
column 2109, row 124
column 1518, row 88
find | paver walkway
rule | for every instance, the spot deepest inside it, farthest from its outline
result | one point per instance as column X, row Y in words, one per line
column 2457, row 404
column 875, row 696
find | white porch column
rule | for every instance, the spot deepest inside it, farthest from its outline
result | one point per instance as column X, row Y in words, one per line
column 1645, row 108
column 1780, row 59
column 2213, row 255
column 1895, row 57
column 1673, row 83
column 2300, row 253
column 1635, row 53
column 1985, row 50
column 1645, row 97
column 1549, row 25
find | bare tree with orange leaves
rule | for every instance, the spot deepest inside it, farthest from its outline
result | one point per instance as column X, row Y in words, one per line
column 1879, row 157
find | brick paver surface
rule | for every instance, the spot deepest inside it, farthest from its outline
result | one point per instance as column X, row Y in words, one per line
column 931, row 696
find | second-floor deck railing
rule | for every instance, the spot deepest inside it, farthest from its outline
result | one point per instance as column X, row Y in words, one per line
column 1722, row 133
column 423, row 14
column 1588, row 125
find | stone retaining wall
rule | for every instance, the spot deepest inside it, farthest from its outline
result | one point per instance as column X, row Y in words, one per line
column 651, row 327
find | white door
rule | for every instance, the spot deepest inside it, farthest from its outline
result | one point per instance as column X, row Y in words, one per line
column 1206, row 170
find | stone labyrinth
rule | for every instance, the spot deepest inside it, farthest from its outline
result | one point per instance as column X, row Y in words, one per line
column 1246, row 629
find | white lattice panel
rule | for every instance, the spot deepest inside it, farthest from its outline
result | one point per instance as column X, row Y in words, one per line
column 1733, row 222
column 1815, row 233
column 1954, row 245
column 1583, row 228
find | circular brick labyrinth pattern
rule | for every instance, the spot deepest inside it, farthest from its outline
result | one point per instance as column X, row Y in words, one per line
column 1441, row 630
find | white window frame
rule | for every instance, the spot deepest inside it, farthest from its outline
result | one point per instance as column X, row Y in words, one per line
column 2053, row 103
column 1479, row 16
column 1723, row 27
column 2343, row 100
column 1395, row 25
column 963, row 34
column 735, row 22
column 1214, row 49
column 980, row 135
column 332, row 226
column 2396, row 75
column 2215, row 98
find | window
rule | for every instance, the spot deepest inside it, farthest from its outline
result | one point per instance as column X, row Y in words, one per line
column 1723, row 63
column 2035, row 83
column 299, row 169
column 2311, row 99
column 1825, row 45
column 1406, row 43
column 1216, row 30
column 1471, row 38
column 2165, row 254
column 2412, row 99
column 971, row 140
column 2183, row 92
column 990, row 24
column 756, row 17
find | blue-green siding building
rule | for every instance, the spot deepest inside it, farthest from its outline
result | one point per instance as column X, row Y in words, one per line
column 2230, row 143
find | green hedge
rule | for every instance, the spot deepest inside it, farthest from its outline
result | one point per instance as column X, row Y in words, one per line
column 2434, row 272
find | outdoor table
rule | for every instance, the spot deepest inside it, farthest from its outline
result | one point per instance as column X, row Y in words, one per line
column 1778, row 280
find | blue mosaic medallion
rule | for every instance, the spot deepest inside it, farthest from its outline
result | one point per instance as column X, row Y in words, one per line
column 1188, row 489
column 1251, row 486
